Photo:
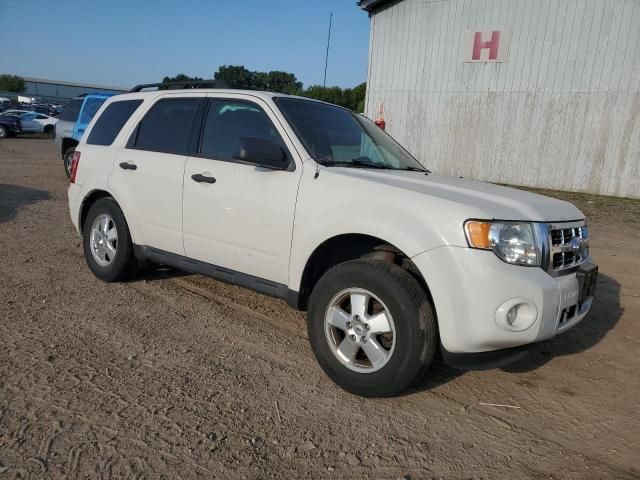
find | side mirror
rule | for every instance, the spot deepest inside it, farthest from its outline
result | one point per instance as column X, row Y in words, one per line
column 262, row 152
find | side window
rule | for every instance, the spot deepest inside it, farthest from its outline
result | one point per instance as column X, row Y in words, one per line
column 166, row 127
column 227, row 121
column 109, row 124
column 71, row 111
column 91, row 106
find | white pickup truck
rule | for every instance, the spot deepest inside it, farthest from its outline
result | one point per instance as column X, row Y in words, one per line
column 314, row 204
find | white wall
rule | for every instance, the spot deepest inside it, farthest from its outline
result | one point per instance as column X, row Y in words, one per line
column 561, row 112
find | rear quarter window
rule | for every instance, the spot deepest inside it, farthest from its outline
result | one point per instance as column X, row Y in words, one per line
column 109, row 124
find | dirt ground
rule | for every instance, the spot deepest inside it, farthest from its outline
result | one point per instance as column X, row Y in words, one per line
column 180, row 376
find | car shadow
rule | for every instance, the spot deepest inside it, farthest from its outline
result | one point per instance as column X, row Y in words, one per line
column 14, row 197
column 152, row 273
column 604, row 315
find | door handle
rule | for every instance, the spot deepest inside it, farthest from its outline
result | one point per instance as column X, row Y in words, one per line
column 128, row 166
column 200, row 178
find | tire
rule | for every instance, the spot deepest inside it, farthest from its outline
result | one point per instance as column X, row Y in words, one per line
column 67, row 158
column 49, row 131
column 3, row 132
column 413, row 325
column 119, row 262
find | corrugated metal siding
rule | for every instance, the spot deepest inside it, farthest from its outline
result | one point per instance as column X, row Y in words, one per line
column 561, row 113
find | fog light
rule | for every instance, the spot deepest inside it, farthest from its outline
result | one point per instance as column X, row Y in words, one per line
column 517, row 314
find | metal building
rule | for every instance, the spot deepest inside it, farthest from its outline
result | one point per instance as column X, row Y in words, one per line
column 58, row 91
column 542, row 93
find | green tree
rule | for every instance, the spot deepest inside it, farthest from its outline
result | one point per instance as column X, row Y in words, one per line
column 351, row 98
column 12, row 83
column 238, row 76
column 283, row 82
column 181, row 77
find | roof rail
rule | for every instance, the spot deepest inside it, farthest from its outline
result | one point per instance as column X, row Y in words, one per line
column 181, row 85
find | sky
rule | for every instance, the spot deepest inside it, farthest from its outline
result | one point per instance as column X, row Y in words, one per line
column 123, row 43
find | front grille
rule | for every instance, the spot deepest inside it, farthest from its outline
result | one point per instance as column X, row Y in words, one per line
column 569, row 247
column 565, row 235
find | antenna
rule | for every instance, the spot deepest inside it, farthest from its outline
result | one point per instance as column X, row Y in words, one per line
column 326, row 58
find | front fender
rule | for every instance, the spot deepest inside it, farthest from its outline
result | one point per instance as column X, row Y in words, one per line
column 332, row 205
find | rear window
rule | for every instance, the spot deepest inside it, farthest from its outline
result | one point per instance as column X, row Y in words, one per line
column 109, row 124
column 71, row 111
column 167, row 126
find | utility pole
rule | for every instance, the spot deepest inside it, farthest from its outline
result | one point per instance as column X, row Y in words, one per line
column 326, row 58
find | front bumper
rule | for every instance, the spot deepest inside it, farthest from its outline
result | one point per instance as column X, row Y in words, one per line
column 472, row 288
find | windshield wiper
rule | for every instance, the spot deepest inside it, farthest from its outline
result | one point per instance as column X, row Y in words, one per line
column 355, row 163
column 415, row 169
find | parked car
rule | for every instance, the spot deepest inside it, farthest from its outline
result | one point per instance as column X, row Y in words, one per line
column 312, row 203
column 14, row 112
column 46, row 109
column 34, row 122
column 73, row 121
column 9, row 126
column 5, row 103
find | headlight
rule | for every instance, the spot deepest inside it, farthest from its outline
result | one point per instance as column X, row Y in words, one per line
column 512, row 242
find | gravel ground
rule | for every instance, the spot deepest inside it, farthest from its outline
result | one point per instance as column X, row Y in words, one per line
column 181, row 376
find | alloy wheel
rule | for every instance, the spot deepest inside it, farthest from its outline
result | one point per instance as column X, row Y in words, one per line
column 104, row 239
column 360, row 330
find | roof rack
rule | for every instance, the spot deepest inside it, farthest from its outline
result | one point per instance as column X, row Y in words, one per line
column 181, row 85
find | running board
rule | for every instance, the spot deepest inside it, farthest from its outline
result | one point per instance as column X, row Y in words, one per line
column 261, row 285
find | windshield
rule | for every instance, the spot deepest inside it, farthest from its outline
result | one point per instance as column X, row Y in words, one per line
column 335, row 136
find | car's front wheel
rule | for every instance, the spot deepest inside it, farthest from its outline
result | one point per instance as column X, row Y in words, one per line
column 372, row 327
column 107, row 243
column 3, row 132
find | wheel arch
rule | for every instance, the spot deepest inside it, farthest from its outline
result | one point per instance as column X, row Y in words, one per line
column 67, row 143
column 92, row 197
column 351, row 246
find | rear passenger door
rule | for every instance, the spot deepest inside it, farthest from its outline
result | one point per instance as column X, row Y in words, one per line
column 148, row 172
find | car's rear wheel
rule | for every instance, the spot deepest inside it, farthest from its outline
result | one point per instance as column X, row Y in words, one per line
column 372, row 327
column 107, row 243
column 49, row 131
column 3, row 132
column 67, row 158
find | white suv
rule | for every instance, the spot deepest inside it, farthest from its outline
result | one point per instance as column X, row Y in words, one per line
column 314, row 204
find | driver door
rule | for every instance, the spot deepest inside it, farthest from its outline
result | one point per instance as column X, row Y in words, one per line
column 241, row 216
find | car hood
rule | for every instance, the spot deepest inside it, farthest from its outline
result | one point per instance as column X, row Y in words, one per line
column 492, row 201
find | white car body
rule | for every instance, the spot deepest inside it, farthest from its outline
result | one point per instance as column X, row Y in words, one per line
column 36, row 122
column 268, row 224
